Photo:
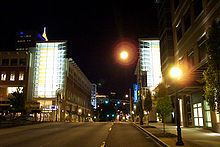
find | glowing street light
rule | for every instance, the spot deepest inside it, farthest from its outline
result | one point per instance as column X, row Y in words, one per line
column 124, row 55
column 176, row 73
column 125, row 52
column 79, row 111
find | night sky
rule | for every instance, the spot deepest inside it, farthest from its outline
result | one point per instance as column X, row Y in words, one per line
column 92, row 29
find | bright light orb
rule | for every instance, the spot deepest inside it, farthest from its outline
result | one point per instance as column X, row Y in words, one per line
column 124, row 55
column 125, row 52
column 176, row 73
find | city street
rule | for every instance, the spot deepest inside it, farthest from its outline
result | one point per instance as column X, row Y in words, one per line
column 100, row 134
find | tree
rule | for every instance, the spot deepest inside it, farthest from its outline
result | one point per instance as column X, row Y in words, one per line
column 139, row 111
column 164, row 104
column 147, row 102
column 17, row 101
column 211, row 74
column 164, row 108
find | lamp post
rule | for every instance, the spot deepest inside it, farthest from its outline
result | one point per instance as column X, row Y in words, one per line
column 176, row 74
column 58, row 94
column 79, row 113
column 126, row 58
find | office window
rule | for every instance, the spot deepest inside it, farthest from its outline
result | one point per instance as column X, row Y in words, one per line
column 3, row 76
column 21, row 76
column 14, row 62
column 5, row 62
column 176, row 3
column 197, row 4
column 12, row 76
column 187, row 20
column 190, row 58
column 22, row 62
column 179, row 31
column 202, row 48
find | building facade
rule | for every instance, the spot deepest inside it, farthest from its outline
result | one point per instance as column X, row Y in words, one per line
column 49, row 77
column 77, row 94
column 150, row 66
column 190, row 21
column 15, row 71
column 93, row 96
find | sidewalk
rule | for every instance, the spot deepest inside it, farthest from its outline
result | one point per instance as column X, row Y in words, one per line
column 192, row 137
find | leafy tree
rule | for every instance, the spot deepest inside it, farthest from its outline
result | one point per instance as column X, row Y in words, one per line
column 164, row 108
column 147, row 102
column 139, row 111
column 17, row 101
column 164, row 104
column 211, row 74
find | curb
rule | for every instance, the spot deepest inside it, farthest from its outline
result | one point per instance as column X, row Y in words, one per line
column 157, row 140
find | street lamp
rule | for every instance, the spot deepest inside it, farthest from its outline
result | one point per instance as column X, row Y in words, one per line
column 176, row 74
column 79, row 113
column 124, row 55
column 57, row 100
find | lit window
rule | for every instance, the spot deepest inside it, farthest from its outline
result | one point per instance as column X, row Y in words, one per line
column 198, row 116
column 3, row 76
column 12, row 76
column 217, row 116
column 14, row 89
column 21, row 76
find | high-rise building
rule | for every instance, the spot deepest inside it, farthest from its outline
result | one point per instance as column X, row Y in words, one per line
column 27, row 39
column 190, row 21
column 166, row 37
column 15, row 71
column 93, row 96
column 150, row 66
column 77, row 91
column 49, row 74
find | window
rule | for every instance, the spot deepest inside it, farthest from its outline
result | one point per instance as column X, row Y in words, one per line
column 5, row 62
column 22, row 62
column 187, row 20
column 202, row 48
column 208, row 120
column 12, row 76
column 14, row 62
column 176, row 3
column 217, row 116
column 190, row 58
column 3, row 76
column 146, row 45
column 21, row 76
column 179, row 31
column 197, row 4
column 198, row 117
column 189, row 111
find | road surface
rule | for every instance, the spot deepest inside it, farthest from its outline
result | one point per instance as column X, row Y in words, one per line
column 98, row 134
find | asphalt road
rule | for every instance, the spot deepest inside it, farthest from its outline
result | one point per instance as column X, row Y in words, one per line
column 105, row 134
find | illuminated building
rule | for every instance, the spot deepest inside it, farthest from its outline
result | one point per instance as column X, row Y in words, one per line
column 77, row 94
column 27, row 39
column 15, row 71
column 150, row 66
column 93, row 95
column 135, row 92
column 49, row 73
column 184, row 24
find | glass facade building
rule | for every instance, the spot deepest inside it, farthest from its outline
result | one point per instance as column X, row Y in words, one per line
column 150, row 61
column 49, row 69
